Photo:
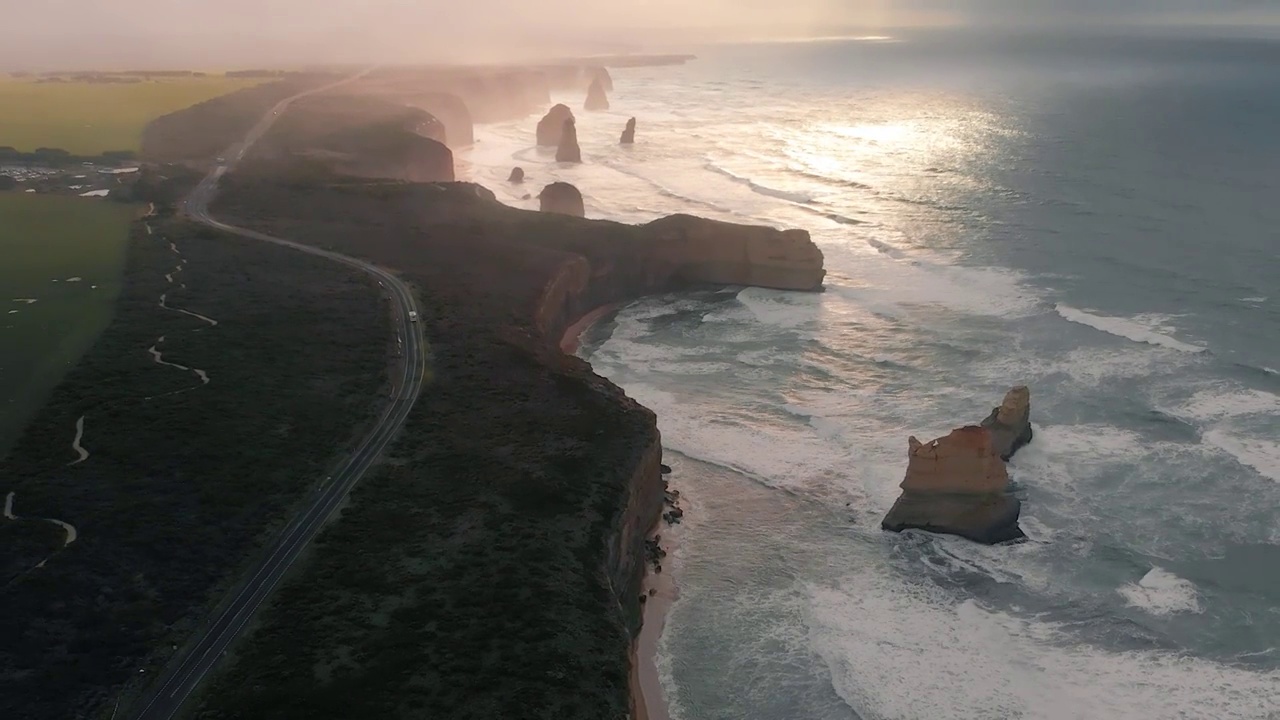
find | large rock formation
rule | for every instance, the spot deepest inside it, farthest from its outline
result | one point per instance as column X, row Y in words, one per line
column 1010, row 423
column 601, row 75
column 596, row 98
column 453, row 115
column 562, row 198
column 629, row 133
column 957, row 485
column 568, row 150
column 551, row 126
column 720, row 253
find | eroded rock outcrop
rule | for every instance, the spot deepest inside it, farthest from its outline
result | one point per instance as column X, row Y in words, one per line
column 721, row 253
column 562, row 198
column 597, row 100
column 601, row 74
column 568, row 150
column 516, row 176
column 453, row 114
column 551, row 126
column 629, row 133
column 957, row 485
column 1010, row 423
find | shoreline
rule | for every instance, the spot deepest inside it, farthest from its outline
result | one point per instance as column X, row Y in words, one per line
column 572, row 337
column 647, row 699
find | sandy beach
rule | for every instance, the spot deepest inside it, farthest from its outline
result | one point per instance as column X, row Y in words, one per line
column 646, row 687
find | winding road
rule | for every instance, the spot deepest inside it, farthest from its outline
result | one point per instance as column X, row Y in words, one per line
column 190, row 665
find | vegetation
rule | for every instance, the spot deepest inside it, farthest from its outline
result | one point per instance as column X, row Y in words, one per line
column 184, row 481
column 475, row 574
column 86, row 117
column 206, row 130
column 47, row 322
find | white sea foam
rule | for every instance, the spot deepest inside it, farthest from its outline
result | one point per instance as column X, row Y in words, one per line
column 1160, row 592
column 27, row 301
column 890, row 285
column 1227, row 401
column 904, row 649
column 1128, row 328
column 1263, row 455
column 96, row 193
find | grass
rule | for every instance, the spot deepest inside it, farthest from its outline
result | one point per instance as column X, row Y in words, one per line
column 179, row 491
column 90, row 118
column 43, row 239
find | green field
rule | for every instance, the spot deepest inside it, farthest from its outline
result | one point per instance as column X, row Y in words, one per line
column 43, row 239
column 90, row 118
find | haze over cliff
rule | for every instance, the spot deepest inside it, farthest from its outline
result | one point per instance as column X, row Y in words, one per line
column 59, row 34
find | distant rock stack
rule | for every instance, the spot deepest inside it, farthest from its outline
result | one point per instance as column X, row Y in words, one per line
column 568, row 150
column 1010, row 424
column 562, row 198
column 601, row 74
column 517, row 175
column 551, row 126
column 596, row 98
column 629, row 133
column 959, row 485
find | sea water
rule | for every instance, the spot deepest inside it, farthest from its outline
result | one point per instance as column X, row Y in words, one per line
column 1097, row 218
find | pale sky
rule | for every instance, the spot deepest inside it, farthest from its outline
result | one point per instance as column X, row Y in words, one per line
column 39, row 32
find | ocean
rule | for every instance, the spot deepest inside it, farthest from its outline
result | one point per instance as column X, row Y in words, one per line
column 1097, row 218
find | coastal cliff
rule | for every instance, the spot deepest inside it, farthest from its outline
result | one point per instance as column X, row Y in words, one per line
column 525, row 485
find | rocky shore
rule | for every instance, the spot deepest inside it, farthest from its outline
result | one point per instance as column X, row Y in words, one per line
column 503, row 293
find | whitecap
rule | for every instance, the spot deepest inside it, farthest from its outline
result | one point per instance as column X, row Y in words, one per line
column 73, row 279
column 96, row 193
column 1128, row 328
column 1227, row 401
column 1160, row 592
column 1257, row 453
column 899, row 648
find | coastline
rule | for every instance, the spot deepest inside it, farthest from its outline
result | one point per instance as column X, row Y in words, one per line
column 647, row 699
column 646, row 687
column 572, row 337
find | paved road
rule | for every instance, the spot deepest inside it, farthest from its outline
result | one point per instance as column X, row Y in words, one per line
column 187, row 669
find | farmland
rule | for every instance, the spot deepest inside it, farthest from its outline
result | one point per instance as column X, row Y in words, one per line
column 48, row 241
column 89, row 118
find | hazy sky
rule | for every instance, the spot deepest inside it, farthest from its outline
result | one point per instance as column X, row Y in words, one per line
column 38, row 32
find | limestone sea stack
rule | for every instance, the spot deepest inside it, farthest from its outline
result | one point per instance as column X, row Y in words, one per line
column 1010, row 423
column 551, row 125
column 516, row 176
column 596, row 98
column 629, row 133
column 568, row 150
column 562, row 198
column 957, row 485
column 601, row 74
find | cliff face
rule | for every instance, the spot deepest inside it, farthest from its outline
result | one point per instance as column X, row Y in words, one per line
column 452, row 113
column 708, row 251
column 557, row 458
